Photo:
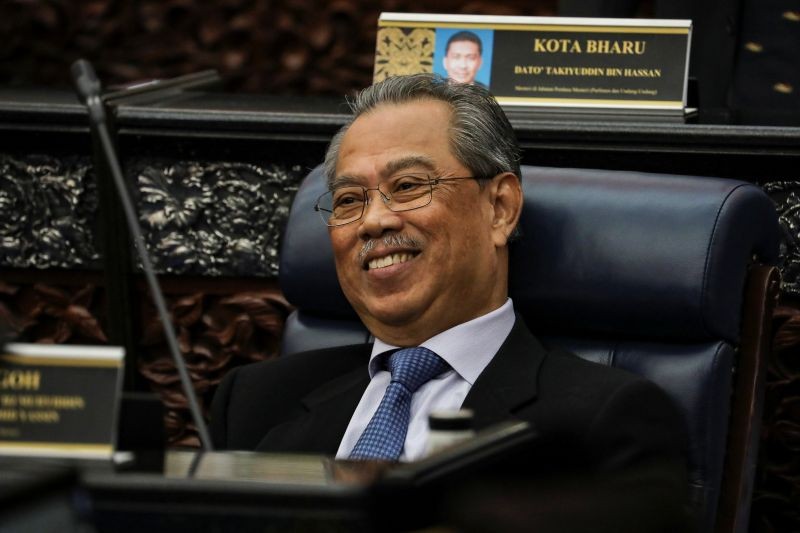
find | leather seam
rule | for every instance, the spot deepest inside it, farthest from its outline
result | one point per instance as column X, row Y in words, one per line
column 707, row 266
column 716, row 376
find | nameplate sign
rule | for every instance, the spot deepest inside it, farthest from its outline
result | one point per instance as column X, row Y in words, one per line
column 59, row 400
column 544, row 61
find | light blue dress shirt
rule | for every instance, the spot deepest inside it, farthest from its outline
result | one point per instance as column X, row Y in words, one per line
column 468, row 348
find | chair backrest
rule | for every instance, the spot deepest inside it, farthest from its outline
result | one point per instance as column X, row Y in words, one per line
column 641, row 271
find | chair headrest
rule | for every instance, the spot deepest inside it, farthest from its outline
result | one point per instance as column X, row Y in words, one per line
column 601, row 252
column 645, row 255
column 307, row 273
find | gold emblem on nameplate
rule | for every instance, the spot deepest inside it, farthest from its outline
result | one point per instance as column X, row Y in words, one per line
column 784, row 88
column 794, row 16
column 400, row 52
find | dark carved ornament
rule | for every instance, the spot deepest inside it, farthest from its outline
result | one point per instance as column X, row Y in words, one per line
column 776, row 502
column 52, row 314
column 213, row 219
column 215, row 333
column 48, row 207
column 786, row 195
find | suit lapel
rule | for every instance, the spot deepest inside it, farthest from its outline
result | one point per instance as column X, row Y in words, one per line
column 510, row 380
column 508, row 383
column 322, row 417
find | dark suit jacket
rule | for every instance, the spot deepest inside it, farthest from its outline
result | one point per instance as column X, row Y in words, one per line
column 303, row 403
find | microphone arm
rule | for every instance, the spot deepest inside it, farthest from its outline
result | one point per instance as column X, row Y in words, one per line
column 88, row 88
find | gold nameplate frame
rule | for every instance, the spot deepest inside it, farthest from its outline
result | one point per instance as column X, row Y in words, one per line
column 545, row 62
column 59, row 400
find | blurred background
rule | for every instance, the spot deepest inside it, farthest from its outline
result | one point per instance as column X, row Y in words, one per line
column 304, row 47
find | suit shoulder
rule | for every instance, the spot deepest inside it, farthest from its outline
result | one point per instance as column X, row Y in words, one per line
column 610, row 406
column 253, row 398
column 283, row 381
column 598, row 376
column 588, row 390
column 323, row 362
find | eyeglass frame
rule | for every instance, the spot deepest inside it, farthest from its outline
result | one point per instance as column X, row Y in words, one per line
column 385, row 197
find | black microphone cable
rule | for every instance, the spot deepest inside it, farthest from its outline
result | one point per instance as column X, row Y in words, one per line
column 88, row 88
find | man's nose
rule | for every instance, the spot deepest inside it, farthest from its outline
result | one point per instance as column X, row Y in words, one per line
column 377, row 216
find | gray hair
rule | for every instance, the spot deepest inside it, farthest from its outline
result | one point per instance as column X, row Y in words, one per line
column 481, row 138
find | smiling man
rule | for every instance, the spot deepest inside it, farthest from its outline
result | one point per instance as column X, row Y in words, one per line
column 424, row 196
column 463, row 57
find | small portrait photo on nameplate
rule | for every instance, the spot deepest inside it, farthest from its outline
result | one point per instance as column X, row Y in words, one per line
column 59, row 400
column 545, row 62
column 464, row 55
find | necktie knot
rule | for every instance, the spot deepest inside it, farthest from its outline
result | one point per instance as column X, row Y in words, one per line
column 413, row 367
column 385, row 434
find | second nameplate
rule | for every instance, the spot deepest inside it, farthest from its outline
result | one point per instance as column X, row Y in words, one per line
column 541, row 62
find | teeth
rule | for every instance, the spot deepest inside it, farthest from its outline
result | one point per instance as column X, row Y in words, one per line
column 389, row 260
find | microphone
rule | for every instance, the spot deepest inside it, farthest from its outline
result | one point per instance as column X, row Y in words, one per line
column 88, row 86
column 86, row 83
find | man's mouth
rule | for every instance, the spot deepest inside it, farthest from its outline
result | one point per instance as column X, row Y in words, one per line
column 389, row 260
column 393, row 249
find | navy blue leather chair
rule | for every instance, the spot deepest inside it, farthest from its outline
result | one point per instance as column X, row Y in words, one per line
column 666, row 276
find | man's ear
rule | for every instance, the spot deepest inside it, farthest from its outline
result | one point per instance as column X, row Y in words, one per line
column 506, row 199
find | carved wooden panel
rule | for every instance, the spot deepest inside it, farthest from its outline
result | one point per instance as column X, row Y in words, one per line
column 213, row 218
column 786, row 194
column 777, row 488
column 218, row 328
column 52, row 312
column 48, row 206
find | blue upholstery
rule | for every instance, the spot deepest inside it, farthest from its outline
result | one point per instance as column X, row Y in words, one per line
column 308, row 279
column 641, row 271
column 601, row 247
column 307, row 272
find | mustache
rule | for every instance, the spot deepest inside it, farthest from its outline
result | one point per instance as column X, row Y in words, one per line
column 390, row 239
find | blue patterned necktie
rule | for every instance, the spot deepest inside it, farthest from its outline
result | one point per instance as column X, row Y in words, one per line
column 385, row 435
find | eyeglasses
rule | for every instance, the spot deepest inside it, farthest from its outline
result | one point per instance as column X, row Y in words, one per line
column 403, row 192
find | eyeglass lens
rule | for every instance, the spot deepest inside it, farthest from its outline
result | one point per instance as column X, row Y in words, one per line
column 401, row 193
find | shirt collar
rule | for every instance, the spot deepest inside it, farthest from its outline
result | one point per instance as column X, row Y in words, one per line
column 467, row 347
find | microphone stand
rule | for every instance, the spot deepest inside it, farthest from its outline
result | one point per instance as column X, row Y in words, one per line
column 88, row 88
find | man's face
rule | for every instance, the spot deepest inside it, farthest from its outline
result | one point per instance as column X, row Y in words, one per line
column 462, row 61
column 443, row 269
